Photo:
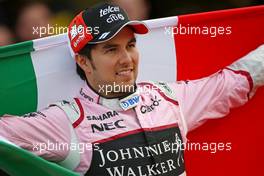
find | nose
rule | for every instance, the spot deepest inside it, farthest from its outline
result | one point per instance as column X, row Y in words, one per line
column 125, row 57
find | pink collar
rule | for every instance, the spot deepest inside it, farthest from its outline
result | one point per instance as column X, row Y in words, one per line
column 123, row 104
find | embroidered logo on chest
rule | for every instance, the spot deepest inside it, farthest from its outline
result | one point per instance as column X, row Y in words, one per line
column 148, row 108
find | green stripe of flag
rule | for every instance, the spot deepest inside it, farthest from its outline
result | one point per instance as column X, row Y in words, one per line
column 18, row 89
column 19, row 162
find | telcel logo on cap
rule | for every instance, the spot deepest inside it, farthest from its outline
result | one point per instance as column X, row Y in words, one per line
column 108, row 10
column 115, row 17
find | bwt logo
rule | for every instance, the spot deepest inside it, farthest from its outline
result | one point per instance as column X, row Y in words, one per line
column 127, row 104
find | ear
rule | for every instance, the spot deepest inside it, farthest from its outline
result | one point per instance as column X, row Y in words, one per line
column 84, row 63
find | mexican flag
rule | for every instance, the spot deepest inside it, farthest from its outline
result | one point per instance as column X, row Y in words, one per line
column 35, row 73
column 39, row 72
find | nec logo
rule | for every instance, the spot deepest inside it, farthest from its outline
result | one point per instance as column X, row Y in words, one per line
column 108, row 126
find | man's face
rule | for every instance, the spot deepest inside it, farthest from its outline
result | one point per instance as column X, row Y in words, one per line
column 114, row 62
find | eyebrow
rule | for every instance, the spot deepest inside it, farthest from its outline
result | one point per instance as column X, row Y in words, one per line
column 107, row 46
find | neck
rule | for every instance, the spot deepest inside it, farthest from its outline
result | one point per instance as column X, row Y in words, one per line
column 111, row 95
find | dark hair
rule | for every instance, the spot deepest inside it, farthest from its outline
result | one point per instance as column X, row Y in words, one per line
column 86, row 51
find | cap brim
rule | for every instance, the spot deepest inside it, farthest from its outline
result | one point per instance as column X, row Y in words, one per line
column 137, row 26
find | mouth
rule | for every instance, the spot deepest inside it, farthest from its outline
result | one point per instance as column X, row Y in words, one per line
column 125, row 72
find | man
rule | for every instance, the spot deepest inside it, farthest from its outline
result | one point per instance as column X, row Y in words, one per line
column 118, row 127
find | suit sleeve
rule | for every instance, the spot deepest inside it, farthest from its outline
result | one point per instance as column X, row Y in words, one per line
column 213, row 97
column 39, row 132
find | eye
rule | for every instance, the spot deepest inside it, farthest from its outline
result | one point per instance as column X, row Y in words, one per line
column 110, row 50
column 132, row 45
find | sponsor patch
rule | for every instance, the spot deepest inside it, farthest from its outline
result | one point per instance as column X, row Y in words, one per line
column 129, row 102
column 34, row 114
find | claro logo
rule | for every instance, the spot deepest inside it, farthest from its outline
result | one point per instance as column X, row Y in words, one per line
column 108, row 126
column 148, row 108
